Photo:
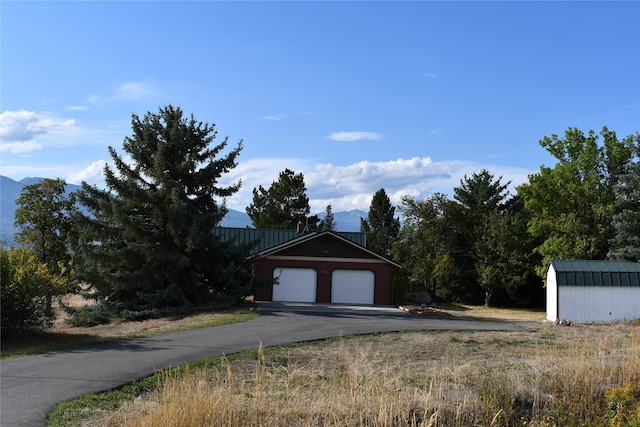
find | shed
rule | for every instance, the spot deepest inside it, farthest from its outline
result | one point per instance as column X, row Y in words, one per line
column 593, row 291
column 325, row 267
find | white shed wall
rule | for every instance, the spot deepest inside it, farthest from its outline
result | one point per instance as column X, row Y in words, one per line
column 552, row 295
column 585, row 304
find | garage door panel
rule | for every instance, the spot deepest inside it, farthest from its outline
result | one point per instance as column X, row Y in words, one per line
column 295, row 284
column 352, row 286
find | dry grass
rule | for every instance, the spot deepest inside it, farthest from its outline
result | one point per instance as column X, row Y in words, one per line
column 547, row 376
column 63, row 336
column 118, row 330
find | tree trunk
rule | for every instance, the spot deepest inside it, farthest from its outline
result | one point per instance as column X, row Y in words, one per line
column 487, row 298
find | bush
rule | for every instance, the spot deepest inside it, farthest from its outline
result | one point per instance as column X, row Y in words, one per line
column 104, row 312
column 623, row 407
column 400, row 287
column 27, row 289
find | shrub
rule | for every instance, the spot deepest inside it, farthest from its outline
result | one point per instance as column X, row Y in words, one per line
column 623, row 407
column 27, row 289
column 400, row 287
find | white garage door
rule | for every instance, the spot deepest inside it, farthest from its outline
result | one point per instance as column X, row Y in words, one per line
column 295, row 284
column 352, row 286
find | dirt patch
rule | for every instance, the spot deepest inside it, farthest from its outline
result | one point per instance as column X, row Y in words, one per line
column 143, row 327
column 418, row 309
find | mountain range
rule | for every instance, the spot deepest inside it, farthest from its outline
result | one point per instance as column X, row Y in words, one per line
column 10, row 191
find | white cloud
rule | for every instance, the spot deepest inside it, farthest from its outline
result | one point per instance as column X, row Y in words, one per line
column 19, row 129
column 133, row 91
column 127, row 91
column 17, row 172
column 283, row 117
column 355, row 184
column 344, row 187
column 92, row 174
column 274, row 117
column 354, row 136
column 77, row 108
column 256, row 172
column 20, row 147
column 352, row 186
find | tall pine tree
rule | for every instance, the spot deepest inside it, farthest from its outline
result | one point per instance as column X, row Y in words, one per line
column 328, row 224
column 482, row 197
column 381, row 227
column 147, row 243
column 283, row 205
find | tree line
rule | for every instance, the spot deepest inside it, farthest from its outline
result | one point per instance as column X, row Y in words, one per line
column 487, row 243
column 143, row 245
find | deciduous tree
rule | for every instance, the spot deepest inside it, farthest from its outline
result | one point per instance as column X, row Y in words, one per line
column 27, row 287
column 44, row 215
column 426, row 243
column 572, row 203
column 505, row 257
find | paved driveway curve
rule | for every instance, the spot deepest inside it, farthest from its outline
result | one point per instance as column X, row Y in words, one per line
column 30, row 386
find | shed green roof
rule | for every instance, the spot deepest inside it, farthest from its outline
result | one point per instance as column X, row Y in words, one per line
column 266, row 238
column 596, row 273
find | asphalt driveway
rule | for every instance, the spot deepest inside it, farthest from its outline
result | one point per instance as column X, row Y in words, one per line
column 30, row 386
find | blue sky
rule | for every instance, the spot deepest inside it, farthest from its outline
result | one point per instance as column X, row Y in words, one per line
column 406, row 96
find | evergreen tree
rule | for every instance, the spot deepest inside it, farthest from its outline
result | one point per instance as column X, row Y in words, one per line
column 44, row 215
column 483, row 199
column 381, row 227
column 283, row 205
column 147, row 243
column 481, row 193
column 625, row 244
column 328, row 224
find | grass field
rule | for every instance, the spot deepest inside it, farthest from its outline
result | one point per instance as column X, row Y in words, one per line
column 579, row 375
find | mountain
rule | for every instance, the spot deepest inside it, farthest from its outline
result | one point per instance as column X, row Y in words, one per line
column 10, row 191
column 347, row 220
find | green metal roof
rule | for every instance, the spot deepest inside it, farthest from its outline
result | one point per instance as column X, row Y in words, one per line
column 596, row 273
column 266, row 238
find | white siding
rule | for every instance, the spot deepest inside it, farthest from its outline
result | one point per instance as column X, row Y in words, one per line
column 585, row 304
column 295, row 284
column 552, row 295
column 352, row 286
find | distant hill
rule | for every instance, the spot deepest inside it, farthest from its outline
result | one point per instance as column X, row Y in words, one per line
column 345, row 221
column 10, row 191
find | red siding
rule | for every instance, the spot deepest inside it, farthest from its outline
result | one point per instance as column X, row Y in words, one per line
column 383, row 275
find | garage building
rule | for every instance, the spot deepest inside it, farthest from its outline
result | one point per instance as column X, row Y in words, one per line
column 593, row 291
column 325, row 267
